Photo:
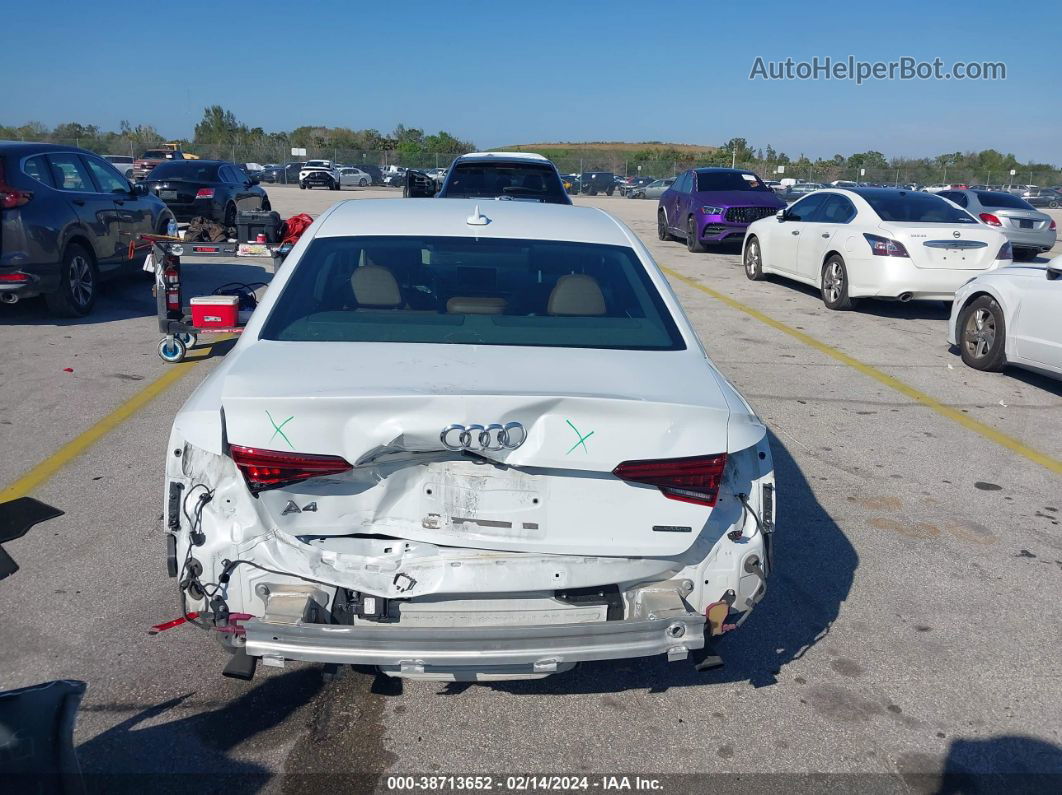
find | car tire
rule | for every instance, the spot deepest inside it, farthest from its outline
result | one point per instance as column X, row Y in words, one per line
column 1054, row 205
column 662, row 232
column 334, row 185
column 302, row 186
column 610, row 191
column 363, row 183
column 982, row 335
column 266, row 206
column 834, row 284
column 78, row 284
column 230, row 216
column 693, row 244
column 753, row 260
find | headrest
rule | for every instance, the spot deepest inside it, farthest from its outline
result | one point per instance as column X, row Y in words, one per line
column 375, row 286
column 576, row 294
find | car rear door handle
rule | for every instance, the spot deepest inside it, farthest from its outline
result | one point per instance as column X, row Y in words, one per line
column 795, row 232
column 79, row 202
column 825, row 234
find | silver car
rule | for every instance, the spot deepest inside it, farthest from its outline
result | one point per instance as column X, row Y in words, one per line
column 1029, row 231
column 654, row 190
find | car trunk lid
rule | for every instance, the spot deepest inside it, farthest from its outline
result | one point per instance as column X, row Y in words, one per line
column 583, row 412
column 936, row 246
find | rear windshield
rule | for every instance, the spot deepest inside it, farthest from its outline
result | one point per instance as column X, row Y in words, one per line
column 470, row 291
column 915, row 207
column 188, row 170
column 996, row 199
column 516, row 180
column 729, row 180
column 156, row 154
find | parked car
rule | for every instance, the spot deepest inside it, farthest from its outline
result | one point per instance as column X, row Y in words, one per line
column 521, row 176
column 252, row 169
column 595, row 182
column 395, row 179
column 1043, row 197
column 319, row 174
column 376, row 175
column 635, row 183
column 710, row 205
column 1029, row 231
column 152, row 157
column 124, row 164
column 437, row 175
column 801, row 189
column 287, row 174
column 525, row 494
column 67, row 217
column 354, row 177
column 874, row 243
column 214, row 189
column 1009, row 316
column 654, row 190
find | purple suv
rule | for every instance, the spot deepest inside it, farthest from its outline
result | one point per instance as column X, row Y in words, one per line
column 709, row 205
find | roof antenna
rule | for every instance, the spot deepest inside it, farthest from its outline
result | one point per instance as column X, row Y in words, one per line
column 477, row 218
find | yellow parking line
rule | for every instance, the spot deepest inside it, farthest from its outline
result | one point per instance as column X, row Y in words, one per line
column 78, row 445
column 987, row 431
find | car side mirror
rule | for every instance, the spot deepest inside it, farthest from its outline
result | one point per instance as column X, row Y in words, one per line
column 254, row 180
column 1054, row 272
column 782, row 215
column 138, row 188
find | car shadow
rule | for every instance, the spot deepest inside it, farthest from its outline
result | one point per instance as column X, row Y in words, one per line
column 815, row 567
column 147, row 750
column 129, row 295
column 1030, row 377
column 912, row 310
column 1012, row 764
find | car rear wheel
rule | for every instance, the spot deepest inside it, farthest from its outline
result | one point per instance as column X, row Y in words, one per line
column 302, row 186
column 363, row 182
column 78, row 283
column 982, row 335
column 230, row 216
column 835, row 284
column 266, row 205
column 334, row 185
column 753, row 261
column 693, row 244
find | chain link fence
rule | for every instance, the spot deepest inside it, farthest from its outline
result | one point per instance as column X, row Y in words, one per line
column 278, row 152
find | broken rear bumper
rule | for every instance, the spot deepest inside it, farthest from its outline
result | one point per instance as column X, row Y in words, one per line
column 539, row 650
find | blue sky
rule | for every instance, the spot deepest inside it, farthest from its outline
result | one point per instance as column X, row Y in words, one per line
column 502, row 73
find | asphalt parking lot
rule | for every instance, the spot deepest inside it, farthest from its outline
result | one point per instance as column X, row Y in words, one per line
column 911, row 628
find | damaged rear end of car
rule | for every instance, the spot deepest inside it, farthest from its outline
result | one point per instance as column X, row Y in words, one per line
column 497, row 457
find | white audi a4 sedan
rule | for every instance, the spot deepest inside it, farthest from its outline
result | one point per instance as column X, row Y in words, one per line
column 1010, row 316
column 874, row 243
column 467, row 441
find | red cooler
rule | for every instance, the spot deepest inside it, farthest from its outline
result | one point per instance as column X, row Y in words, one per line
column 215, row 311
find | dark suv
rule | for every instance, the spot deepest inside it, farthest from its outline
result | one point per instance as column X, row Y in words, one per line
column 66, row 220
column 595, row 182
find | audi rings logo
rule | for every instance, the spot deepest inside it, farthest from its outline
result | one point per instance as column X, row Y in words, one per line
column 478, row 438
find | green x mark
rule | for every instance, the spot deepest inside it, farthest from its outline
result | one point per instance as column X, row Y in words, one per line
column 279, row 429
column 582, row 439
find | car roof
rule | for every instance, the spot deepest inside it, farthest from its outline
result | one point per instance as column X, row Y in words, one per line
column 506, row 219
column 721, row 170
column 31, row 147
column 485, row 156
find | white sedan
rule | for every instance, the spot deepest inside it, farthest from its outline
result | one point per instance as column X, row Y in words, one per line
column 1011, row 316
column 350, row 177
column 468, row 440
column 874, row 243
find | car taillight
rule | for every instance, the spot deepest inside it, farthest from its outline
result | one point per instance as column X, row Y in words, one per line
column 205, row 193
column 11, row 197
column 1005, row 251
column 1052, row 225
column 990, row 219
column 13, row 278
column 885, row 247
column 270, row 469
column 694, row 480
